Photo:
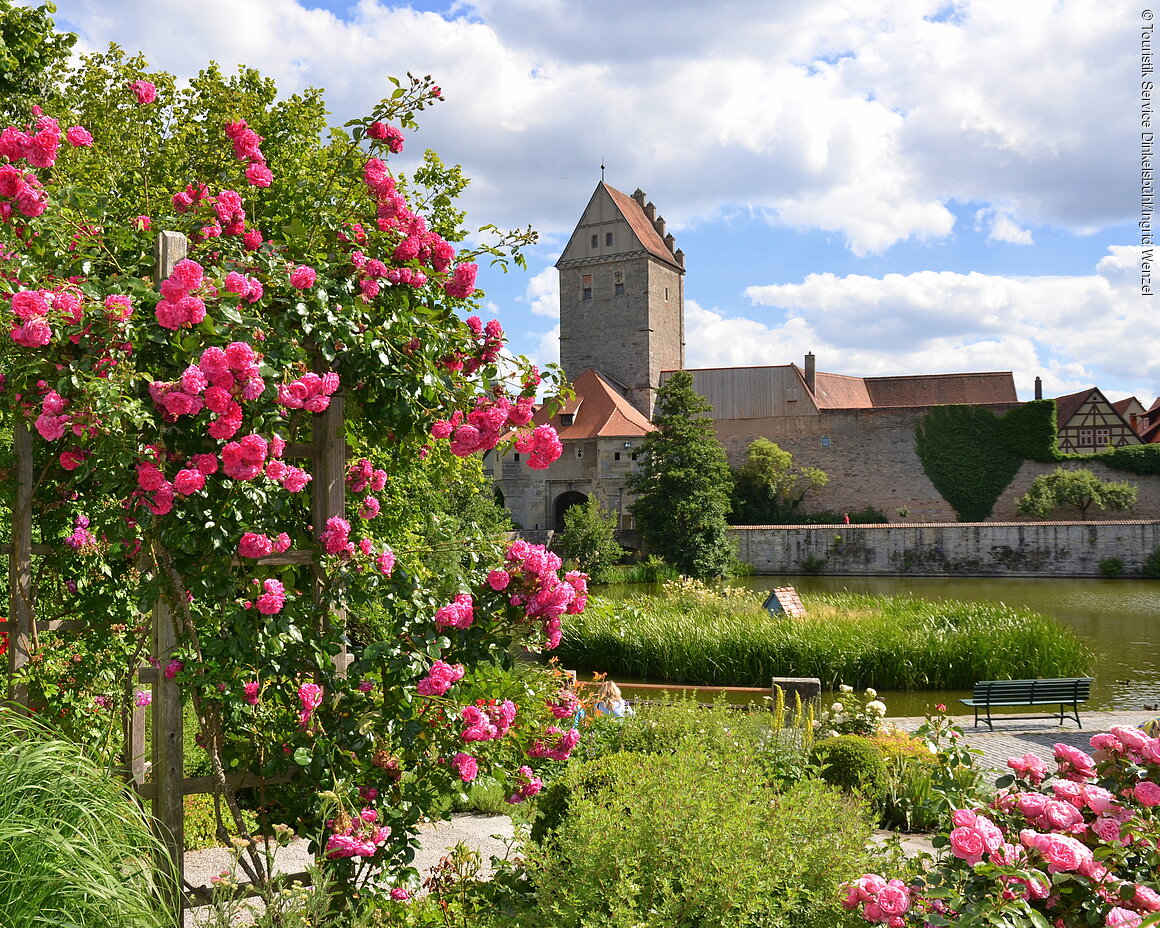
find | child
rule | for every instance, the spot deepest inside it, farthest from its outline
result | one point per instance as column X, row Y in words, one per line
column 610, row 702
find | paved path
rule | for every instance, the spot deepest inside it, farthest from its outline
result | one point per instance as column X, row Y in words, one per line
column 1014, row 737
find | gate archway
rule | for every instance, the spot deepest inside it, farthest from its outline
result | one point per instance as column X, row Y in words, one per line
column 564, row 502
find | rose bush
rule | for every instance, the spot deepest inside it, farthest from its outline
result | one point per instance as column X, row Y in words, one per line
column 172, row 416
column 1077, row 846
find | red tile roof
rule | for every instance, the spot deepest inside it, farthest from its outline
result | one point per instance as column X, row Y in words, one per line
column 600, row 410
column 642, row 226
column 838, row 391
column 1068, row 406
column 943, row 389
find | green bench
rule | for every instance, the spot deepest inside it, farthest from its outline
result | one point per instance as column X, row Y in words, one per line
column 1061, row 691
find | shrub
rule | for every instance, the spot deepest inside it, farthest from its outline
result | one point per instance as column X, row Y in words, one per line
column 851, row 763
column 581, row 780
column 589, row 538
column 1152, row 564
column 1112, row 566
column 689, row 839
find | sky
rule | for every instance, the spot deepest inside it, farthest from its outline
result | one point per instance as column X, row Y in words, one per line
column 898, row 186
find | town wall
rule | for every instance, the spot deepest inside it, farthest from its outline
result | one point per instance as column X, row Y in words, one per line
column 1013, row 549
column 869, row 456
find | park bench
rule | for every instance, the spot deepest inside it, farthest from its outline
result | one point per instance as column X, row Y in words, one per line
column 1061, row 691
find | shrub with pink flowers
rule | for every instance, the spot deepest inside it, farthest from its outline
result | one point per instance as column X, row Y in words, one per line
column 169, row 416
column 1077, row 845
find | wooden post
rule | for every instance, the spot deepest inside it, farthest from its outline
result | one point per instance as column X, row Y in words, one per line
column 20, row 615
column 168, row 759
column 328, row 497
column 168, row 721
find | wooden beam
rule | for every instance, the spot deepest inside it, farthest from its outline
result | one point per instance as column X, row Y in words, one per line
column 20, row 614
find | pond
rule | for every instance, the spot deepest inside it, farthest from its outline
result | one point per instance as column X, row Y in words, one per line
column 1119, row 619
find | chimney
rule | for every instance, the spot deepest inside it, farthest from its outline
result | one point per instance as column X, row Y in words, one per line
column 638, row 195
column 1039, row 388
column 670, row 241
column 810, row 371
column 651, row 211
column 659, row 225
column 680, row 256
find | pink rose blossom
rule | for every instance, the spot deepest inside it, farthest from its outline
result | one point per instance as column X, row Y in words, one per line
column 144, row 90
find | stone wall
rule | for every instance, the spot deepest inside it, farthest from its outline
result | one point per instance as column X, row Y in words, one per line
column 1016, row 549
column 869, row 456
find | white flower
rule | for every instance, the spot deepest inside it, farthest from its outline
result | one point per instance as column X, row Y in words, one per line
column 871, row 692
column 836, row 708
column 876, row 707
column 845, row 689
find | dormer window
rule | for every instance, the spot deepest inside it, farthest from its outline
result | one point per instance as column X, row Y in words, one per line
column 567, row 418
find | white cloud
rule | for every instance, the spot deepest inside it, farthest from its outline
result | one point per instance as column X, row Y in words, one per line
column 1003, row 227
column 543, row 293
column 866, row 120
column 1074, row 332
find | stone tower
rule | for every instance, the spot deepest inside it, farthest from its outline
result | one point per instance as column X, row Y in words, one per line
column 622, row 307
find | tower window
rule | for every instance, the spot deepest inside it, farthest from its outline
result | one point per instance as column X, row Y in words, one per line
column 666, row 294
column 618, row 282
column 595, row 241
column 608, row 238
column 586, row 286
column 616, row 455
column 620, row 289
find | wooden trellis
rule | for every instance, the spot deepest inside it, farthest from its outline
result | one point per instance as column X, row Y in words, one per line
column 164, row 784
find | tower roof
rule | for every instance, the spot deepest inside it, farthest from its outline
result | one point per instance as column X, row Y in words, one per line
column 631, row 209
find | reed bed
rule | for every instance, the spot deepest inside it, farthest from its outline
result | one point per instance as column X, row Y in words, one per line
column 690, row 634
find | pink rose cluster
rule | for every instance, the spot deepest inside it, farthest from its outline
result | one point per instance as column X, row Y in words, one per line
column 440, row 678
column 361, row 837
column 542, row 446
column 466, row 766
column 388, row 135
column 256, row 545
column 178, row 306
column 563, row 705
column 248, row 288
column 362, row 475
column 220, row 381
column 459, row 613
column 144, row 91
column 81, row 538
column 883, row 902
column 272, row 598
column 482, row 428
column 416, row 244
column 487, row 721
column 311, row 392
column 556, row 744
column 488, row 340
column 303, row 277
column 31, row 328
column 335, row 540
column 246, row 148
column 1067, row 824
column 530, row 577
column 20, row 190
column 528, row 785
column 309, row 698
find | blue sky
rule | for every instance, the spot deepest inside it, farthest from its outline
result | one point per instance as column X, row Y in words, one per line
column 899, row 186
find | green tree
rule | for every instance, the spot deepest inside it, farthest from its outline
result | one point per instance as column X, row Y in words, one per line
column 590, row 537
column 683, row 486
column 32, row 54
column 767, row 488
column 1078, row 488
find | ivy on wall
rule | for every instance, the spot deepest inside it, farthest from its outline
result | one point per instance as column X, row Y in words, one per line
column 1030, row 431
column 1134, row 459
column 963, row 453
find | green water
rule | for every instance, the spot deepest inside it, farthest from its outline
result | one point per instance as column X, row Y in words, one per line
column 1119, row 619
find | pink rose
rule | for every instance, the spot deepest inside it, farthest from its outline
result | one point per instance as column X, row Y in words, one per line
column 967, row 845
column 145, row 91
column 1147, row 793
column 303, row 277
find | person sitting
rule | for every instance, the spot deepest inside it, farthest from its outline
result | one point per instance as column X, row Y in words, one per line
column 610, row 702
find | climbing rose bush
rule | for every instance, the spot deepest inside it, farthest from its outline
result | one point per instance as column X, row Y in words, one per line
column 170, row 413
column 1076, row 846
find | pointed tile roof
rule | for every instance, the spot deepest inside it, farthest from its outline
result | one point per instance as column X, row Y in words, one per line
column 641, row 226
column 599, row 410
column 1067, row 406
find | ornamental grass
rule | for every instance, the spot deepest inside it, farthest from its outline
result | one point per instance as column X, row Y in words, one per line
column 690, row 634
column 74, row 848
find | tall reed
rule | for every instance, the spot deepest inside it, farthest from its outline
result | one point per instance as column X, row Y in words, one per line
column 689, row 634
column 75, row 851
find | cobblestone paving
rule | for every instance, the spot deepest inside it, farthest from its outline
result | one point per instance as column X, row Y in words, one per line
column 1014, row 737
